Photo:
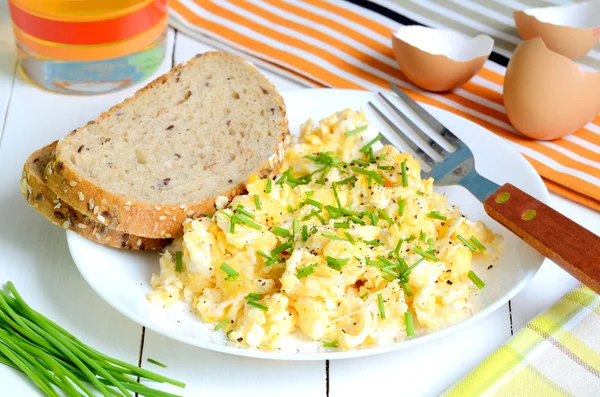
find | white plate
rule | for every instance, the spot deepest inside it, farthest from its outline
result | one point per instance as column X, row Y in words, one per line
column 122, row 278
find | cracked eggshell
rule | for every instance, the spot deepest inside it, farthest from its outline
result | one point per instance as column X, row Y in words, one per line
column 571, row 30
column 439, row 60
column 547, row 95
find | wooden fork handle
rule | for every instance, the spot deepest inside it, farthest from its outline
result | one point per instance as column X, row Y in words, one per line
column 568, row 244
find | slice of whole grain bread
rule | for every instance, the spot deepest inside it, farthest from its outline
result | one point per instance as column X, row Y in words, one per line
column 37, row 194
column 165, row 154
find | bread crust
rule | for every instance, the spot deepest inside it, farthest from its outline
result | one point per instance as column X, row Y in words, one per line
column 140, row 218
column 36, row 193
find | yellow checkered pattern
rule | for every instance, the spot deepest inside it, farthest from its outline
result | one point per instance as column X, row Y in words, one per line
column 556, row 354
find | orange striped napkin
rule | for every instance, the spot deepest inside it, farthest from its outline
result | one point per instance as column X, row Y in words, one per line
column 347, row 44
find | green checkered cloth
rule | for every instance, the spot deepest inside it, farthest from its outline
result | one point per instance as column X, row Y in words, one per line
column 556, row 354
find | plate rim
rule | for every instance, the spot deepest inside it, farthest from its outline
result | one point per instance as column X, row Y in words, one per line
column 342, row 354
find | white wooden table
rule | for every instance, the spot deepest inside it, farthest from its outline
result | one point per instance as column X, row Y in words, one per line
column 34, row 255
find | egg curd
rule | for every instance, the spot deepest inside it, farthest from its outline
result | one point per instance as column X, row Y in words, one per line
column 348, row 244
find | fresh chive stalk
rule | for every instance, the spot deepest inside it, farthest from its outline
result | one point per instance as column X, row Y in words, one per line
column 341, row 225
column 153, row 361
column 281, row 232
column 383, row 215
column 242, row 210
column 363, row 296
column 304, row 232
column 53, row 358
column 314, row 203
column 404, row 174
column 350, row 238
column 332, row 344
column 336, row 263
column 366, row 148
column 253, row 296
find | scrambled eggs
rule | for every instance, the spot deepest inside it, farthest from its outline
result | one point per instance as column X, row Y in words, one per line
column 348, row 244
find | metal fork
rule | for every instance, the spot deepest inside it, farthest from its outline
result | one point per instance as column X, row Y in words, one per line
column 574, row 248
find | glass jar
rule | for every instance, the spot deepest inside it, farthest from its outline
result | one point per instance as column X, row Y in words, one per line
column 89, row 46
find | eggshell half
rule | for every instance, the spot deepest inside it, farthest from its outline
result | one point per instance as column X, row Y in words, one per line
column 547, row 95
column 571, row 30
column 439, row 60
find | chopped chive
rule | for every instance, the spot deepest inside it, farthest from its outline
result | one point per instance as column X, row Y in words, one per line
column 232, row 222
column 385, row 217
column 381, row 306
column 430, row 243
column 422, row 236
column 280, row 231
column 436, row 215
column 466, row 243
column 314, row 203
column 350, row 213
column 268, row 259
column 241, row 209
column 334, row 213
column 407, row 271
column 341, row 225
column 356, row 220
column 373, row 217
column 401, row 204
column 475, row 279
column 295, row 226
column 153, row 361
column 371, row 155
column 388, row 278
column 398, row 246
column 410, row 326
column 243, row 219
column 371, row 174
column 310, row 193
column 333, row 344
column 373, row 242
column 283, row 177
column 425, row 254
column 406, row 289
column 178, row 262
column 356, row 131
column 258, row 305
column 409, row 239
column 374, row 263
column 305, row 271
column 365, row 148
column 335, row 194
column 404, row 174
column 221, row 325
column 419, row 193
column 317, row 214
column 360, row 162
column 390, row 272
column 304, row 232
column 478, row 244
column 256, row 201
column 253, row 296
column 385, row 260
column 269, row 186
column 232, row 275
column 336, row 263
column 349, row 237
column 324, row 174
column 333, row 237
column 363, row 296
column 384, row 167
column 347, row 180
column 289, row 208
column 279, row 249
